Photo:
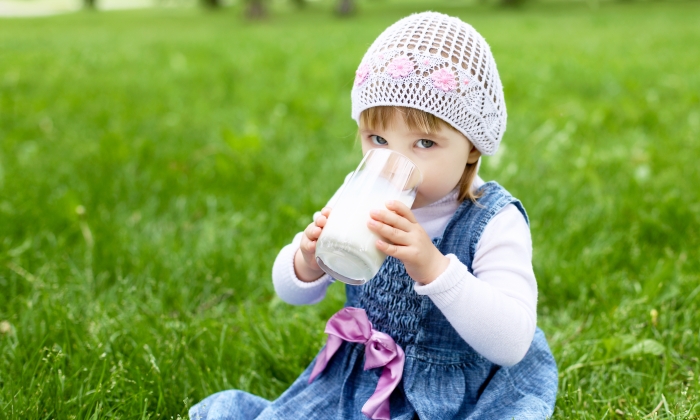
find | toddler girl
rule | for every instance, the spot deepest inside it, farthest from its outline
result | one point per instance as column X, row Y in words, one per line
column 447, row 328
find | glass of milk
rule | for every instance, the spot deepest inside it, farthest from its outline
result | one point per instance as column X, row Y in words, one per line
column 346, row 249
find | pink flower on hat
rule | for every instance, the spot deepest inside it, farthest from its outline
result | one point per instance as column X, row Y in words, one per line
column 399, row 67
column 444, row 80
column 361, row 74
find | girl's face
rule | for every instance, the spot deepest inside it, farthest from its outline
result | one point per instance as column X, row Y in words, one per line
column 441, row 156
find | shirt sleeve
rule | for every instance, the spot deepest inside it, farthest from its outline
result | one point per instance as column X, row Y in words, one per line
column 287, row 285
column 495, row 309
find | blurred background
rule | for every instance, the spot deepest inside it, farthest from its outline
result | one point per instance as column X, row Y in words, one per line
column 155, row 155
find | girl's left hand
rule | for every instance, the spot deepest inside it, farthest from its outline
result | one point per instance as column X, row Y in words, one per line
column 407, row 241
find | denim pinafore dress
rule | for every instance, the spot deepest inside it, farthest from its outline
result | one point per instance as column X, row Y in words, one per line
column 443, row 377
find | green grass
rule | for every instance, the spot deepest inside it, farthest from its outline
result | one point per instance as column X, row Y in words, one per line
column 153, row 163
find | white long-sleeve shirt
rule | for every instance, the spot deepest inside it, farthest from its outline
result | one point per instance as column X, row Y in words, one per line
column 494, row 310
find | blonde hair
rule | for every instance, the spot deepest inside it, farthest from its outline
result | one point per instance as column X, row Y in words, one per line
column 417, row 120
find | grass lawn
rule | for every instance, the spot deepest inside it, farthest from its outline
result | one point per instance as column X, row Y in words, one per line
column 153, row 163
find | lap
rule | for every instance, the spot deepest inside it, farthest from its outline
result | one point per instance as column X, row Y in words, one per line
column 229, row 405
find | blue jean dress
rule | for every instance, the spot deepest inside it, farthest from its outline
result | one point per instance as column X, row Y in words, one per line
column 443, row 377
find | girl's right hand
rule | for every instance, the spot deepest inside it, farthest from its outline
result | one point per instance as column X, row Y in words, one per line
column 305, row 266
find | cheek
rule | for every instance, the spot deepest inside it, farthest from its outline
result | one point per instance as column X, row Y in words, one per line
column 442, row 179
column 365, row 148
column 432, row 182
column 456, row 166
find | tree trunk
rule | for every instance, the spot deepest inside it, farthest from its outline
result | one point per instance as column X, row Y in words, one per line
column 299, row 3
column 256, row 9
column 345, row 8
column 90, row 4
column 212, row 4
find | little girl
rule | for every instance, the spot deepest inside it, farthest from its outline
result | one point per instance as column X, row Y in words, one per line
column 447, row 328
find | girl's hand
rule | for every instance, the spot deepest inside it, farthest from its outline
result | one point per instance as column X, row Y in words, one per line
column 407, row 241
column 305, row 266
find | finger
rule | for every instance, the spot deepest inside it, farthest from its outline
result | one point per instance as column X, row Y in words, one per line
column 321, row 221
column 311, row 247
column 322, row 216
column 391, row 233
column 307, row 247
column 391, row 218
column 309, row 229
column 312, row 231
column 401, row 209
column 389, row 249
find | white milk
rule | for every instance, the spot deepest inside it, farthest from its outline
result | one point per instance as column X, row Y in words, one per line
column 346, row 245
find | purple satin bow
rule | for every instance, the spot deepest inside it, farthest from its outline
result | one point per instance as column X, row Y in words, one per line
column 352, row 324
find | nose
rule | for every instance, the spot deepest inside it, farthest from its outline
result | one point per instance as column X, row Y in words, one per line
column 401, row 148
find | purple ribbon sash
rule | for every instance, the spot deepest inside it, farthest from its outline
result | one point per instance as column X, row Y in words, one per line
column 352, row 324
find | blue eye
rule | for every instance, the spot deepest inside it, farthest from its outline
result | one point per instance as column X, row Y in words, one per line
column 378, row 140
column 425, row 144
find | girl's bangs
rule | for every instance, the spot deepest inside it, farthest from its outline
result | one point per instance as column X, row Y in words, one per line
column 379, row 117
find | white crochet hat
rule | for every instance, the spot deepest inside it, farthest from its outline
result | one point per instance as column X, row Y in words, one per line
column 438, row 64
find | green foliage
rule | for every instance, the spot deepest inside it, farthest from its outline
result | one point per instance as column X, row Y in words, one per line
column 153, row 163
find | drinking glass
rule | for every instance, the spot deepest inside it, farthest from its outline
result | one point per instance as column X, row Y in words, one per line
column 346, row 249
